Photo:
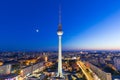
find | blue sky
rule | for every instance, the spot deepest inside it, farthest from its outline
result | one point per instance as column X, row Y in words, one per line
column 87, row 24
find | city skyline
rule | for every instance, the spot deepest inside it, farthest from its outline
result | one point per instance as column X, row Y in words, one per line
column 32, row 25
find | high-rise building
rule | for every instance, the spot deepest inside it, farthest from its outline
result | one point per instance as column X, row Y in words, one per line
column 5, row 69
column 117, row 63
column 60, row 33
column 100, row 73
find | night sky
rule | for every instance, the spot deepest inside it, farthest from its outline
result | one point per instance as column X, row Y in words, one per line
column 32, row 24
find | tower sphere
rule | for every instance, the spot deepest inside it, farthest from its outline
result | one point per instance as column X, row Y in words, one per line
column 59, row 33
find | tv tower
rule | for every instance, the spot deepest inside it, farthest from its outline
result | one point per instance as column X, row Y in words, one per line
column 60, row 33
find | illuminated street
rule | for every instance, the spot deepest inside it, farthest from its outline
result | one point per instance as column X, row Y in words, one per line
column 85, row 71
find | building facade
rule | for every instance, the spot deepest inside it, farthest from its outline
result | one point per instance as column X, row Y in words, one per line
column 117, row 63
column 101, row 74
column 5, row 69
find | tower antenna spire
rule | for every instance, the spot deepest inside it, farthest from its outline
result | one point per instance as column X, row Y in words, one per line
column 60, row 20
column 60, row 14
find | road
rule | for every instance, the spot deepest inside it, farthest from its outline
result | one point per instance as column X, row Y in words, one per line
column 84, row 70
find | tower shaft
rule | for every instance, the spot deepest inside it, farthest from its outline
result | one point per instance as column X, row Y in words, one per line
column 60, row 57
